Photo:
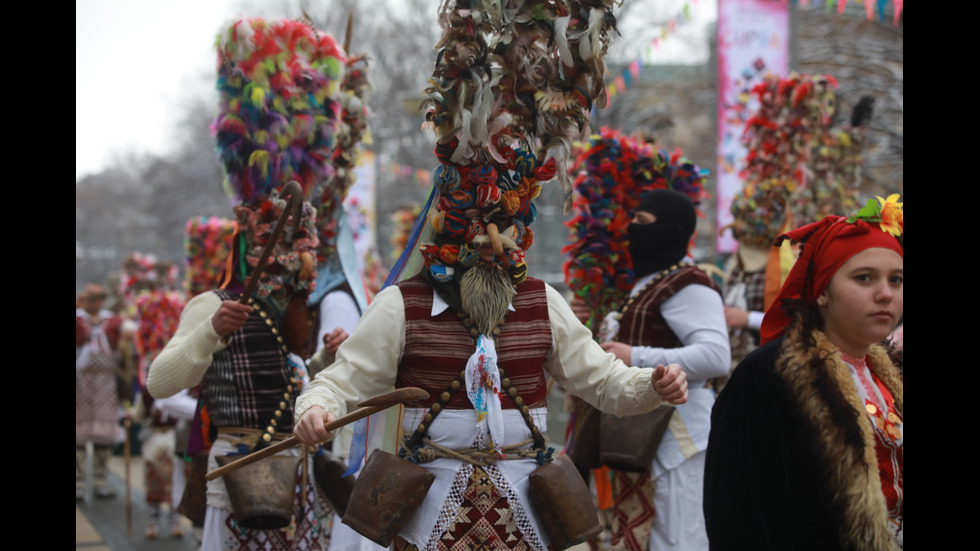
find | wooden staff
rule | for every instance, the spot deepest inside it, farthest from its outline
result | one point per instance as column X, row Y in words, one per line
column 366, row 408
column 295, row 205
column 350, row 31
column 127, row 456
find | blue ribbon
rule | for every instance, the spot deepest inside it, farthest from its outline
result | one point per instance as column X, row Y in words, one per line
column 358, row 446
column 403, row 262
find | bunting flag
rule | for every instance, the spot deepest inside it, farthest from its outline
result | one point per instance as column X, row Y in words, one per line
column 872, row 8
column 620, row 83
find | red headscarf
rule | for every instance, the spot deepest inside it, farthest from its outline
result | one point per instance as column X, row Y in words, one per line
column 829, row 243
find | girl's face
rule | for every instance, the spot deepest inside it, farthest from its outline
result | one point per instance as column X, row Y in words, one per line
column 863, row 302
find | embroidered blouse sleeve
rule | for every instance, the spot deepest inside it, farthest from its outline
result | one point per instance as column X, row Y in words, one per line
column 366, row 363
column 585, row 370
column 187, row 356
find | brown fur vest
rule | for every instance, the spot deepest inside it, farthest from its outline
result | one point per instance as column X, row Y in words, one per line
column 829, row 400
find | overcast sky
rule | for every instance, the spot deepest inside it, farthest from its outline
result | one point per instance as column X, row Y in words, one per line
column 135, row 60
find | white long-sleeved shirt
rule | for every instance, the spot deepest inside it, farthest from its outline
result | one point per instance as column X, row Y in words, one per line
column 696, row 315
column 182, row 363
column 367, row 363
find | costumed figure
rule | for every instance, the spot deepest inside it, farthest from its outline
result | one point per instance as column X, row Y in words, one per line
column 97, row 367
column 278, row 83
column 470, row 327
column 795, row 161
column 340, row 297
column 148, row 286
column 759, row 214
column 806, row 446
column 207, row 254
column 657, row 307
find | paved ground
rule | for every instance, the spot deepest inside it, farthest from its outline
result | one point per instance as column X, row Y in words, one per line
column 102, row 525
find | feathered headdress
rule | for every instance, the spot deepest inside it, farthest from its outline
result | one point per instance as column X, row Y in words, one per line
column 207, row 248
column 278, row 82
column 353, row 132
column 143, row 272
column 513, row 86
column 781, row 137
column 836, row 167
column 279, row 113
column 613, row 172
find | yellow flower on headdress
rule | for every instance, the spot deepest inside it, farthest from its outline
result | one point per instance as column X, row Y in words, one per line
column 892, row 216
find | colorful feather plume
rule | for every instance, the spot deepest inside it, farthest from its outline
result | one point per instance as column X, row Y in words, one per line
column 207, row 246
column 143, row 272
column 157, row 315
column 278, row 82
column 795, row 161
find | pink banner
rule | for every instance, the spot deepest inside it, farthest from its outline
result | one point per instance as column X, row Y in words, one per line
column 753, row 39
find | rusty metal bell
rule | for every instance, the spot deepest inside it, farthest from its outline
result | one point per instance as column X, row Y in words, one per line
column 262, row 493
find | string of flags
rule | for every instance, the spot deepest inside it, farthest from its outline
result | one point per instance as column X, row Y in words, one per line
column 624, row 80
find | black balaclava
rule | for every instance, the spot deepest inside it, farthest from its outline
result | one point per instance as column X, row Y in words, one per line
column 663, row 243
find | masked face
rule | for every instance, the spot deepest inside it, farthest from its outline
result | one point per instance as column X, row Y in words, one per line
column 660, row 230
column 654, row 245
column 482, row 218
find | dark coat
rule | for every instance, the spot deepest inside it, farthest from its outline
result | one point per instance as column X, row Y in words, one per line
column 791, row 462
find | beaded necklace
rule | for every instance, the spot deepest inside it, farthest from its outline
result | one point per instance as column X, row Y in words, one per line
column 609, row 328
column 295, row 379
column 410, row 449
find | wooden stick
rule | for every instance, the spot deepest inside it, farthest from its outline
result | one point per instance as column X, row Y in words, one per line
column 292, row 441
column 349, row 34
column 129, row 501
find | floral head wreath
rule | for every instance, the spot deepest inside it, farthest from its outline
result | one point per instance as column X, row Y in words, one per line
column 887, row 212
column 511, row 89
column 278, row 83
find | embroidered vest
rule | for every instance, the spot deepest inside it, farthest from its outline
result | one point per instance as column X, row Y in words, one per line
column 247, row 381
column 437, row 348
column 643, row 325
